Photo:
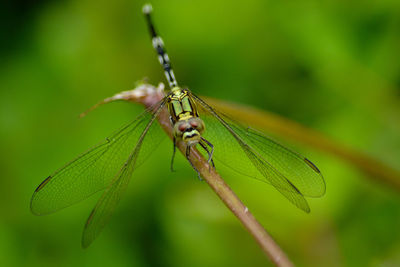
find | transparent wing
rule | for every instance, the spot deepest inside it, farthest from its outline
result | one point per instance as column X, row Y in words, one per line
column 253, row 154
column 94, row 170
column 111, row 196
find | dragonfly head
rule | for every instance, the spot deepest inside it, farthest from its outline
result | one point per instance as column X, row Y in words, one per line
column 189, row 130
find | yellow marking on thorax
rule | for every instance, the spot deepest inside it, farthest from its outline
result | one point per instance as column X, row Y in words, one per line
column 184, row 116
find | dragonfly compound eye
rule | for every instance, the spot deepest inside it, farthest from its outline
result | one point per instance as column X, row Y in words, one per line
column 194, row 124
column 197, row 123
column 180, row 128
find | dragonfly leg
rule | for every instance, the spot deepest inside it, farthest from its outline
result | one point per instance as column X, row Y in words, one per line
column 204, row 146
column 210, row 154
column 173, row 155
column 187, row 156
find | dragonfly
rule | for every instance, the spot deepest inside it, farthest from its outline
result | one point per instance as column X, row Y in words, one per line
column 108, row 166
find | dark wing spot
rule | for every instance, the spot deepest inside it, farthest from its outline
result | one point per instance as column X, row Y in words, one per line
column 294, row 187
column 309, row 163
column 90, row 218
column 42, row 184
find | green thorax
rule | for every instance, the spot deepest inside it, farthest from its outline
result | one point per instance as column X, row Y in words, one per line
column 181, row 105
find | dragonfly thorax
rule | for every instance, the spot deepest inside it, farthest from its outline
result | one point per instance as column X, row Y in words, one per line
column 180, row 104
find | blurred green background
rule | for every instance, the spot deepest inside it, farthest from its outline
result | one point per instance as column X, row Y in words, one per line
column 330, row 65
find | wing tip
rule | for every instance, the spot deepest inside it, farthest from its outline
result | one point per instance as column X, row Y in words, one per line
column 34, row 212
column 322, row 190
column 85, row 243
column 37, row 190
column 303, row 206
column 32, row 206
column 86, row 239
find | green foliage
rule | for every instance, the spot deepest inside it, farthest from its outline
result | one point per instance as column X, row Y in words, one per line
column 330, row 65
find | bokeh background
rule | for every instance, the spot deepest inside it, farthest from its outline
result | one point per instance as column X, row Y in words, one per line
column 330, row 65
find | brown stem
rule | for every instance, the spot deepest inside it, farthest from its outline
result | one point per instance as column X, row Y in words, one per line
column 149, row 96
column 231, row 200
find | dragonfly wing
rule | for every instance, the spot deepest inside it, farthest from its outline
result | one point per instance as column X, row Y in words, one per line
column 291, row 174
column 300, row 170
column 94, row 170
column 111, row 196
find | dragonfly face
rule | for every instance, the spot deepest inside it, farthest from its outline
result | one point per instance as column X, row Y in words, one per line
column 189, row 131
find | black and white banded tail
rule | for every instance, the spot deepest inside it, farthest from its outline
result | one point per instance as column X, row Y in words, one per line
column 158, row 45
